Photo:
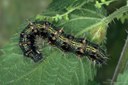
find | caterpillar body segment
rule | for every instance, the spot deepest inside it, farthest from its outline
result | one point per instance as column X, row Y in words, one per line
column 60, row 39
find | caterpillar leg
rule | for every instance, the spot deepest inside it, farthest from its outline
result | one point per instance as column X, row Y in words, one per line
column 36, row 56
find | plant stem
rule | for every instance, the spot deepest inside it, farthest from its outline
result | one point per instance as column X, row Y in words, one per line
column 116, row 14
column 122, row 62
column 105, row 21
column 71, row 10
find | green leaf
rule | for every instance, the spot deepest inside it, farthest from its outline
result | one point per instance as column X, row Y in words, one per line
column 58, row 68
column 122, row 78
column 122, row 67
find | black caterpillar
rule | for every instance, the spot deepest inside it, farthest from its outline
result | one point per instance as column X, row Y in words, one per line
column 61, row 40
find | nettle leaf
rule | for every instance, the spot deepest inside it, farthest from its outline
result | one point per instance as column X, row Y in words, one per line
column 79, row 18
column 122, row 78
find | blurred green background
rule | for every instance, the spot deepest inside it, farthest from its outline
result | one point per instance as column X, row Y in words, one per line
column 14, row 12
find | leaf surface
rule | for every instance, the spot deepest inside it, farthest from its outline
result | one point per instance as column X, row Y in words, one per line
column 79, row 18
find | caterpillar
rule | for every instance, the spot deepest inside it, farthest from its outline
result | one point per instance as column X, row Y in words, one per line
column 58, row 38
